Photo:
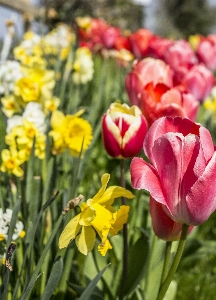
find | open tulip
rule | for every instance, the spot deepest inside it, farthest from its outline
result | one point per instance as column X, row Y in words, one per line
column 123, row 129
column 159, row 101
column 146, row 71
column 182, row 176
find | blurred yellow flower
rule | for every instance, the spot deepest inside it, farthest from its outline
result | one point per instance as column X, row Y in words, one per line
column 10, row 105
column 11, row 162
column 52, row 103
column 210, row 104
column 97, row 216
column 22, row 138
column 70, row 132
column 194, row 41
column 36, row 85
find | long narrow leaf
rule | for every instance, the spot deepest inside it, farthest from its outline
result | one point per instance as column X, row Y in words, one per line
column 90, row 288
column 54, row 279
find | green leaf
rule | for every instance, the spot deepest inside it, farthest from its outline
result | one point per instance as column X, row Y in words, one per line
column 138, row 256
column 54, row 279
column 90, row 288
column 24, row 296
column 155, row 267
column 171, row 292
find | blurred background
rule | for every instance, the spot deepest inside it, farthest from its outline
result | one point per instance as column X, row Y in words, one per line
column 177, row 19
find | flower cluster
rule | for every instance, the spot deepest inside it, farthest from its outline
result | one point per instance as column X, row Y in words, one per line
column 22, row 132
column 5, row 219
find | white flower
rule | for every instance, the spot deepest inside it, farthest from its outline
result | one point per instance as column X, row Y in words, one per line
column 13, row 122
column 5, row 219
column 34, row 114
column 18, row 230
column 10, row 72
column 83, row 66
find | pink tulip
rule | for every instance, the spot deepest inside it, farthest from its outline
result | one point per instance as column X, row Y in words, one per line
column 109, row 36
column 139, row 41
column 182, row 176
column 160, row 101
column 206, row 51
column 179, row 54
column 164, row 227
column 158, row 46
column 199, row 81
column 123, row 130
column 146, row 71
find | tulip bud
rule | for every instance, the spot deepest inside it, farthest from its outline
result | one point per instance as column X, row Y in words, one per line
column 123, row 130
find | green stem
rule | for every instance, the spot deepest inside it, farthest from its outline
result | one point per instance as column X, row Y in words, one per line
column 166, row 283
column 147, row 278
column 125, row 239
column 166, row 261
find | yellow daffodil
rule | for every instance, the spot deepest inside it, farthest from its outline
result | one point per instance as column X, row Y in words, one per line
column 36, row 85
column 10, row 105
column 11, row 162
column 70, row 132
column 97, row 216
column 52, row 103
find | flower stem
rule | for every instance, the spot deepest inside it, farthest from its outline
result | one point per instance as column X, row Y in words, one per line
column 166, row 261
column 125, row 240
column 167, row 281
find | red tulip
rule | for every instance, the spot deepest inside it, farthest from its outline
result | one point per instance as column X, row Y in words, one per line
column 158, row 46
column 146, row 71
column 182, row 176
column 164, row 227
column 162, row 101
column 123, row 130
column 139, row 41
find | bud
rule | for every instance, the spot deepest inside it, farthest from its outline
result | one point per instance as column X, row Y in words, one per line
column 123, row 130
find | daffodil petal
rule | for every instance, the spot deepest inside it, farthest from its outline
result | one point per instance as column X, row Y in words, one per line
column 57, row 119
column 114, row 192
column 86, row 216
column 104, row 246
column 104, row 180
column 121, row 217
column 102, row 220
column 70, row 232
column 85, row 241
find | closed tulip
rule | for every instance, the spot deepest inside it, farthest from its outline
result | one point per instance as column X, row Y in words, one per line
column 123, row 130
column 182, row 176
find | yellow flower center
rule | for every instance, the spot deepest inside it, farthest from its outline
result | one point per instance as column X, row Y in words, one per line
column 10, row 164
column 1, row 237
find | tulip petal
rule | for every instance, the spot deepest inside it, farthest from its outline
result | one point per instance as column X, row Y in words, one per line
column 145, row 177
column 111, row 136
column 70, row 232
column 85, row 241
column 201, row 199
